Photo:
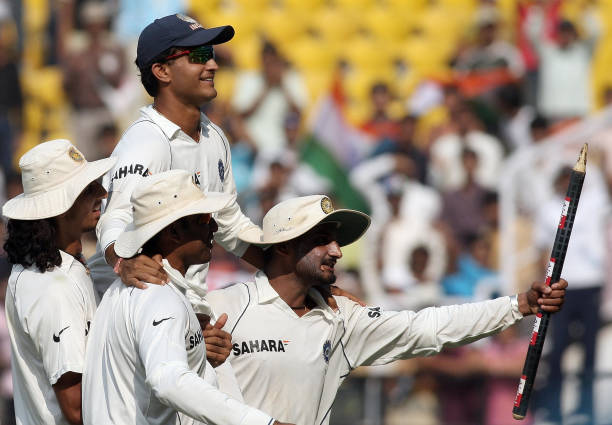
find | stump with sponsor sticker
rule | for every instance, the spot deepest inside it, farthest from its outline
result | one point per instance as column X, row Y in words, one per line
column 553, row 273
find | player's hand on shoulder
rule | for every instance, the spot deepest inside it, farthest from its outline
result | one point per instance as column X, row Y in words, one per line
column 137, row 270
column 218, row 342
column 339, row 292
column 549, row 299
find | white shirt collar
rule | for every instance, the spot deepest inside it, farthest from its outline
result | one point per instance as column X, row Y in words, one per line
column 199, row 303
column 266, row 293
column 169, row 128
column 67, row 260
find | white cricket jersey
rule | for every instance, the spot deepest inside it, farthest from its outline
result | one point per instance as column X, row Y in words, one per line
column 48, row 316
column 146, row 362
column 292, row 366
column 153, row 144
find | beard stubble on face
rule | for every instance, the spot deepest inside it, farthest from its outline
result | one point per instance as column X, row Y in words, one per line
column 308, row 266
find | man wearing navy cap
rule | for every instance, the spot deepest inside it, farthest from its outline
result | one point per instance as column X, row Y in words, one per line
column 176, row 59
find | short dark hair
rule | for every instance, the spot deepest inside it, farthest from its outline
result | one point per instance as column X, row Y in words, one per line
column 152, row 246
column 148, row 80
column 32, row 242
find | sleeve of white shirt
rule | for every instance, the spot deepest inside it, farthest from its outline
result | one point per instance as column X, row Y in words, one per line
column 249, row 87
column 143, row 150
column 375, row 337
column 162, row 350
column 231, row 219
column 295, row 87
column 57, row 325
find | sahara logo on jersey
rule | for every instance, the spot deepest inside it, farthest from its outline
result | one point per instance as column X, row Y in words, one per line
column 373, row 312
column 193, row 340
column 130, row 169
column 259, row 345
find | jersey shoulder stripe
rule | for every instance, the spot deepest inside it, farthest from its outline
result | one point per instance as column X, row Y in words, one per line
column 14, row 290
column 246, row 306
column 208, row 123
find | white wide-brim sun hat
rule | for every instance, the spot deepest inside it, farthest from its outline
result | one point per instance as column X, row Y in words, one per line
column 160, row 201
column 294, row 217
column 53, row 175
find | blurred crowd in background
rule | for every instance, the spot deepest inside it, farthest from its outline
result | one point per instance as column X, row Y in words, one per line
column 451, row 122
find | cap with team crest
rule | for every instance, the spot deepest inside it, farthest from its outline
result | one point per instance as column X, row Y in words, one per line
column 294, row 217
column 53, row 175
column 177, row 31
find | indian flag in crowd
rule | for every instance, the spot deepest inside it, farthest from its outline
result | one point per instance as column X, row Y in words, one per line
column 335, row 147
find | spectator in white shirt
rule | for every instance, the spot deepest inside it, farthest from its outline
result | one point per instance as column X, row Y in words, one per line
column 564, row 85
column 265, row 98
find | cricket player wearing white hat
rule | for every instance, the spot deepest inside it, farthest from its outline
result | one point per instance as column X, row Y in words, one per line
column 146, row 359
column 50, row 299
column 289, row 341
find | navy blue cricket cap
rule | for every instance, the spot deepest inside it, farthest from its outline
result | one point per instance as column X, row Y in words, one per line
column 177, row 31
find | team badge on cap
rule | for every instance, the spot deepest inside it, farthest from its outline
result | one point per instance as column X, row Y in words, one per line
column 193, row 23
column 326, row 205
column 75, row 155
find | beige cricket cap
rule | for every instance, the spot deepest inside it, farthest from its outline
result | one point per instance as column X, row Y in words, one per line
column 53, row 175
column 294, row 217
column 160, row 201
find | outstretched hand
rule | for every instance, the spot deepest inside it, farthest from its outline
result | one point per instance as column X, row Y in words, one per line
column 137, row 270
column 218, row 342
column 549, row 299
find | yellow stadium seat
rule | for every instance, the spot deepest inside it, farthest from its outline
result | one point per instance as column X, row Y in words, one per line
column 368, row 54
column 457, row 4
column 44, row 85
column 404, row 6
column 310, row 54
column 246, row 53
column 357, row 85
column 225, row 80
column 253, row 5
column 34, row 51
column 357, row 112
column 318, row 84
column 35, row 15
column 33, row 117
column 56, row 123
column 334, row 24
column 201, row 9
column 426, row 55
column 245, row 24
column 441, row 23
column 303, row 5
column 353, row 5
column 282, row 26
column 386, row 25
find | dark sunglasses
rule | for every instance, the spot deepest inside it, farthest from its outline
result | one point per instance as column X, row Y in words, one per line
column 200, row 54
